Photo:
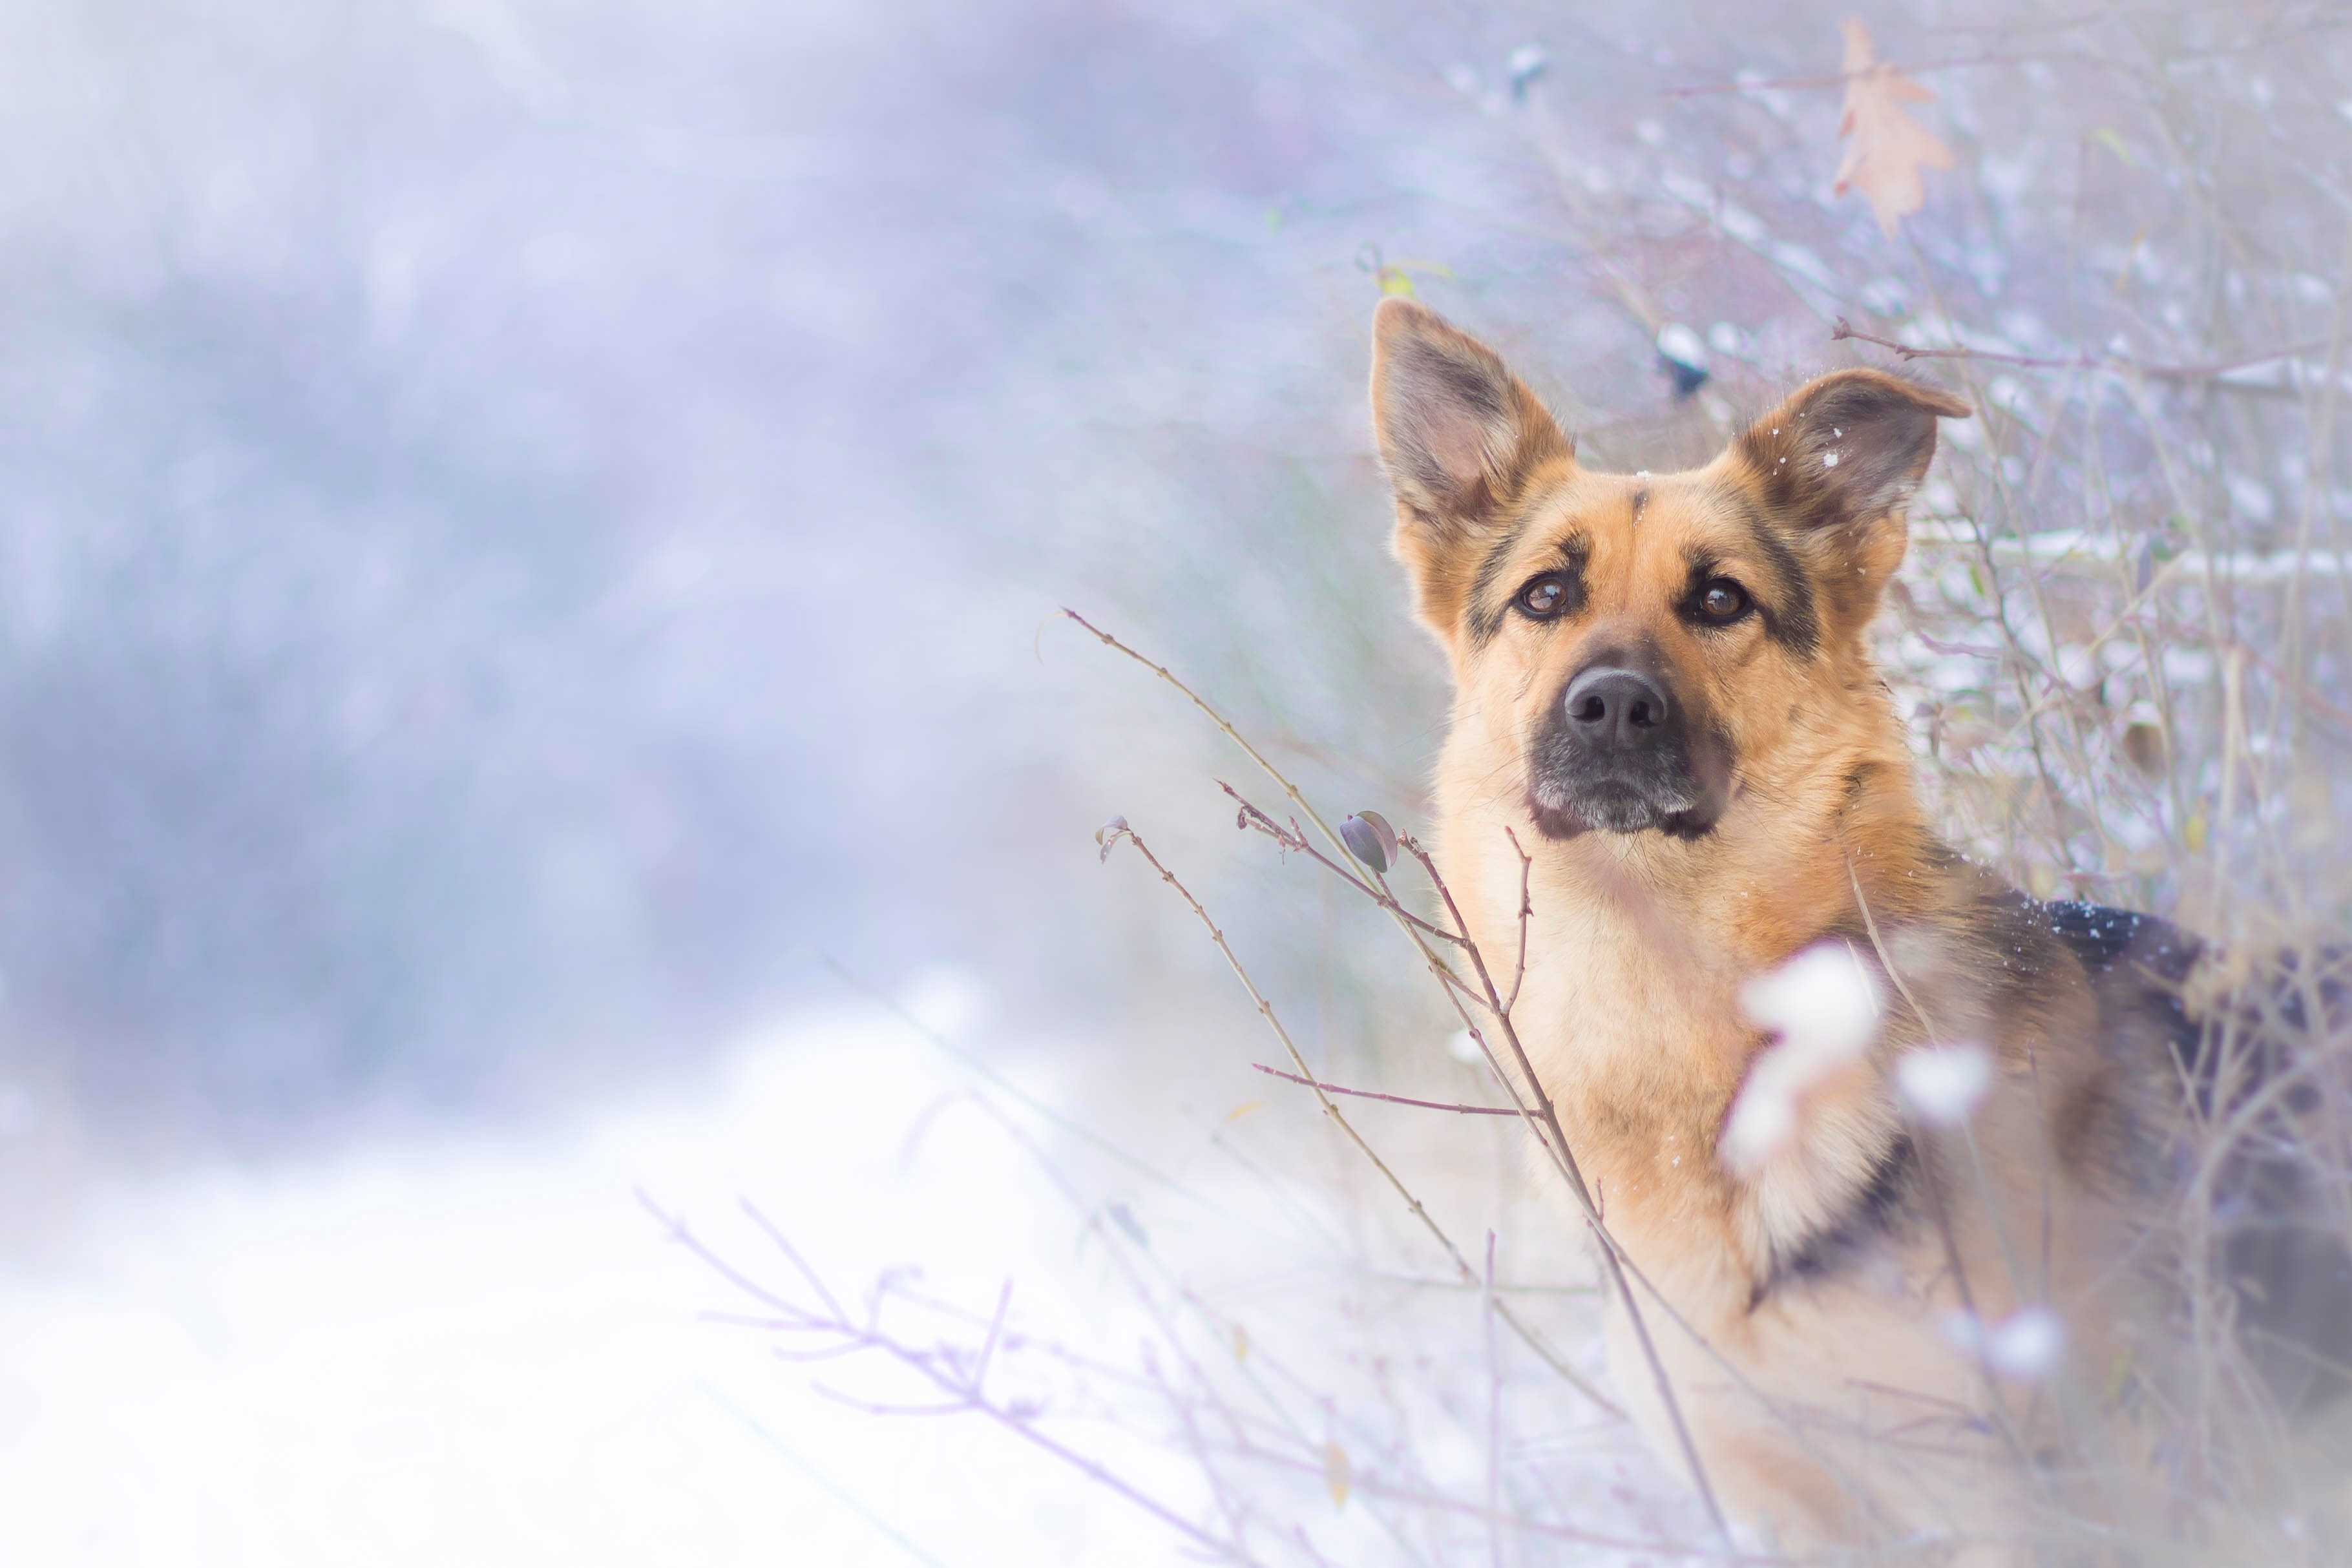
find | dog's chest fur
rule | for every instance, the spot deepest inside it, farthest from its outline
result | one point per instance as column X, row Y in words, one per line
column 1631, row 1018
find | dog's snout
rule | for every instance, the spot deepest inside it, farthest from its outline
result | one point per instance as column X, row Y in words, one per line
column 1616, row 709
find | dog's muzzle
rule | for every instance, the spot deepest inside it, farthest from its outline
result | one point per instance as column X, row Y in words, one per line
column 1618, row 752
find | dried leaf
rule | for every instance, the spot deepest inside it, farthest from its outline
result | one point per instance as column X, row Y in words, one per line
column 1244, row 1109
column 1240, row 1342
column 1339, row 1473
column 1889, row 147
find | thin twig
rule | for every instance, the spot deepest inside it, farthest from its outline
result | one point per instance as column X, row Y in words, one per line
column 1297, row 796
column 1840, row 78
column 1494, row 1418
column 1938, row 1203
column 1527, row 909
column 2086, row 360
column 966, row 1397
column 1291, row 839
column 1392, row 1099
column 1613, row 1253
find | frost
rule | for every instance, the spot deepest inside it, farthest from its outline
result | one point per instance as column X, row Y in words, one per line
column 2251, row 497
column 2029, row 1344
column 2026, row 1345
column 1884, row 295
column 1690, row 192
column 1528, row 62
column 1823, row 1001
column 1682, row 345
column 1943, row 1084
column 1762, row 1119
column 1741, row 224
column 1796, row 258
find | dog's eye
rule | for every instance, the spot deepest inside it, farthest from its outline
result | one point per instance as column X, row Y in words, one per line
column 1545, row 596
column 1722, row 602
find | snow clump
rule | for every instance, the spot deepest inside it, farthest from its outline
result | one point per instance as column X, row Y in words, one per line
column 1943, row 1084
column 2025, row 1344
column 1826, row 1007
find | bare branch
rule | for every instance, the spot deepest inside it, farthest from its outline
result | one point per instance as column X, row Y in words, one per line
column 1291, row 839
column 1392, row 1099
column 1613, row 1254
column 2119, row 363
column 1527, row 909
column 1266, row 1010
column 2070, row 58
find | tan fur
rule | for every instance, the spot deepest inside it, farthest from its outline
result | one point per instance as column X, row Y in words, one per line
column 1870, row 1424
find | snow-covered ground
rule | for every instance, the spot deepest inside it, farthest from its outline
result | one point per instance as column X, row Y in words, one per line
column 483, row 1350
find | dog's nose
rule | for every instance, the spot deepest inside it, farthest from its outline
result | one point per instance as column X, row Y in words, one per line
column 1615, row 709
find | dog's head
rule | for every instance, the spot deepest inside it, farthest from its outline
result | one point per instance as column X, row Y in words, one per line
column 1636, row 642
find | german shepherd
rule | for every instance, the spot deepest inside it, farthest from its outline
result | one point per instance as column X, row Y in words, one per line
column 1663, row 687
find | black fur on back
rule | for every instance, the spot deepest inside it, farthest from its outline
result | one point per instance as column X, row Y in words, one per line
column 2251, row 1061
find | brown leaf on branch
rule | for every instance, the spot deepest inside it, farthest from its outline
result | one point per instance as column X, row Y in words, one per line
column 1339, row 1473
column 1889, row 147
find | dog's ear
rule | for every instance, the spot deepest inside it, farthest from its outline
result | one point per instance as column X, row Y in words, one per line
column 1462, row 439
column 1836, row 467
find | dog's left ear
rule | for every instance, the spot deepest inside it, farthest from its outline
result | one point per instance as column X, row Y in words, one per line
column 1836, row 465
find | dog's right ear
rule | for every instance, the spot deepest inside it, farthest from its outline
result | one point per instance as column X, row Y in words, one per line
column 1462, row 439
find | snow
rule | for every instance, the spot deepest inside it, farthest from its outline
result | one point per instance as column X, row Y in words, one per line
column 1824, row 1005
column 482, row 1350
column 2026, row 1345
column 1824, row 1002
column 1943, row 1084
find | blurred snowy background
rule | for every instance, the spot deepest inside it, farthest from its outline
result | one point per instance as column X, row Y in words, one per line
column 528, row 675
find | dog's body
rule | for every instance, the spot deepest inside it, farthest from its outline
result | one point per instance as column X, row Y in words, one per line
column 1663, row 693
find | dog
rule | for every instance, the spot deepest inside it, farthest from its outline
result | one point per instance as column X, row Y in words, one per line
column 1664, row 697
